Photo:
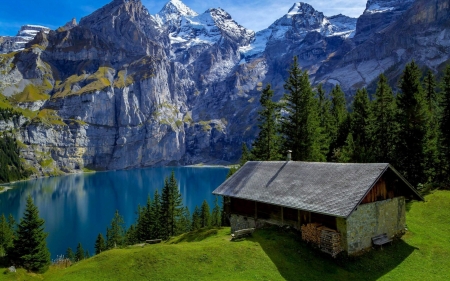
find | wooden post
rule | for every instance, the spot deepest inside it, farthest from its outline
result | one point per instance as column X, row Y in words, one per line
column 299, row 219
column 282, row 216
column 256, row 210
column 309, row 217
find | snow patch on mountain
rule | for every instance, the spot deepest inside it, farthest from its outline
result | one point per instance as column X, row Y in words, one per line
column 173, row 11
column 381, row 6
column 300, row 20
column 209, row 28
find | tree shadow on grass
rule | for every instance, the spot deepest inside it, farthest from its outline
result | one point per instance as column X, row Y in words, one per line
column 297, row 260
column 195, row 236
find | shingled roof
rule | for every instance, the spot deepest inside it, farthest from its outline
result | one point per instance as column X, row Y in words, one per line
column 327, row 188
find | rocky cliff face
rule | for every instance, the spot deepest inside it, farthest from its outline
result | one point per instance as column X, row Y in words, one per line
column 125, row 89
column 16, row 43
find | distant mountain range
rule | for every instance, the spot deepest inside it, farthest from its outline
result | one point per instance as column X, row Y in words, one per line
column 125, row 89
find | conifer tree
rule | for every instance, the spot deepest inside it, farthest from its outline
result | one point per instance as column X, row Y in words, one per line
column 432, row 161
column 156, row 216
column 205, row 216
column 87, row 255
column 196, row 219
column 185, row 223
column 6, row 234
column 79, row 254
column 413, row 121
column 384, row 126
column 130, row 236
column 115, row 234
column 325, row 119
column 100, row 244
column 216, row 217
column 300, row 127
column 171, row 206
column 339, row 124
column 445, row 126
column 358, row 143
column 266, row 146
column 29, row 246
column 246, row 155
column 70, row 254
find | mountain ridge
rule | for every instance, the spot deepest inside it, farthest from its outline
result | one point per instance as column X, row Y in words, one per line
column 122, row 89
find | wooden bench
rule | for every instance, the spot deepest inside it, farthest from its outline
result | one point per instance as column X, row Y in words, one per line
column 381, row 239
column 155, row 241
column 241, row 233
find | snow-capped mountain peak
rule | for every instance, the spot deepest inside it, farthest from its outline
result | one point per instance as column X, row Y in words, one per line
column 301, row 8
column 173, row 11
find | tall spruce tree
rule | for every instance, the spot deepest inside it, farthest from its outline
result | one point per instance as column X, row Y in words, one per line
column 6, row 234
column 445, row 127
column 156, row 216
column 115, row 234
column 171, row 206
column 412, row 119
column 216, row 217
column 325, row 119
column 70, row 254
column 361, row 148
column 196, row 219
column 300, row 126
column 266, row 146
column 184, row 223
column 29, row 246
column 79, row 254
column 384, row 126
column 100, row 244
column 339, row 124
column 432, row 161
column 205, row 215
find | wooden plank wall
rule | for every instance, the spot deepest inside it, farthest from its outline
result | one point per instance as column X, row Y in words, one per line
column 379, row 192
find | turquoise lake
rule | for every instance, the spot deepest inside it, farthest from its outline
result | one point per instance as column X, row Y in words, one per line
column 76, row 208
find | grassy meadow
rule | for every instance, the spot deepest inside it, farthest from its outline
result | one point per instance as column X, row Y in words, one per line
column 274, row 254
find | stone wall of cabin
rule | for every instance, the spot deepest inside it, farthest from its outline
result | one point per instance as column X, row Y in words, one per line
column 369, row 220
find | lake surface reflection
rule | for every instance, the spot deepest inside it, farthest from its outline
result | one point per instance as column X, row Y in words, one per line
column 76, row 208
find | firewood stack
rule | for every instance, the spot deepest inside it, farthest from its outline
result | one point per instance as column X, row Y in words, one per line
column 330, row 242
column 327, row 239
column 311, row 232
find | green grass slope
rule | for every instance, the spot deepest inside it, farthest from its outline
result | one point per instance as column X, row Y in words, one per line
column 271, row 254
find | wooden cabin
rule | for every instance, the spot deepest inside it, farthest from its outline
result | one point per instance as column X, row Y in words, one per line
column 356, row 202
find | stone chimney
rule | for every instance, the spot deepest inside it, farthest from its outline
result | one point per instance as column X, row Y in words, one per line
column 289, row 155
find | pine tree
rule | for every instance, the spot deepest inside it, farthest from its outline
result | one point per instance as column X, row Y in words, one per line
column 171, row 206
column 445, row 126
column 29, row 245
column 432, row 162
column 87, row 255
column 115, row 234
column 358, row 143
column 266, row 146
column 216, row 217
column 339, row 124
column 384, row 126
column 131, row 236
column 156, row 216
column 185, row 223
column 100, row 244
column 70, row 254
column 300, row 127
column 325, row 119
column 246, row 155
column 6, row 234
column 412, row 119
column 196, row 219
column 205, row 216
column 79, row 254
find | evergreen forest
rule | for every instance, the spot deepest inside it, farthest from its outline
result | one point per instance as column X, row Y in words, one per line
column 408, row 128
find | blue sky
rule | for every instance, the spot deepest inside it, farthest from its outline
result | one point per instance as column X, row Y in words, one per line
column 252, row 14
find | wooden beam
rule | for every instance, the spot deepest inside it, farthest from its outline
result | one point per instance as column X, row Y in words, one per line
column 256, row 210
column 282, row 216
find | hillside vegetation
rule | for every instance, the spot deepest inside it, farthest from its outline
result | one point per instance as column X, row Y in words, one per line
column 273, row 254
